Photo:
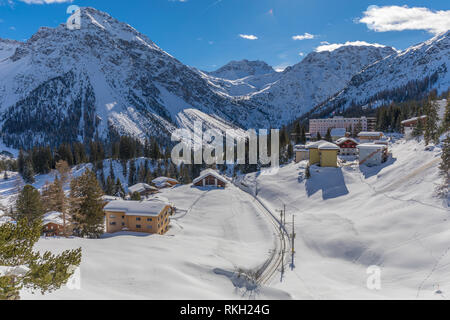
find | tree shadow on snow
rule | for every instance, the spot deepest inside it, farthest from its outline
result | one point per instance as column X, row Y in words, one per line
column 330, row 180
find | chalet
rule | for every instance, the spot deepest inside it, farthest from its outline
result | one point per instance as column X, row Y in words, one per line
column 323, row 153
column 143, row 189
column 409, row 125
column 372, row 154
column 53, row 224
column 138, row 216
column 301, row 153
column 209, row 178
column 164, row 182
column 347, row 146
column 338, row 133
column 370, row 136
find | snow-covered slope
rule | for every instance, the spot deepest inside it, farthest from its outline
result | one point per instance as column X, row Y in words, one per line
column 7, row 48
column 352, row 218
column 315, row 79
column 242, row 69
column 420, row 67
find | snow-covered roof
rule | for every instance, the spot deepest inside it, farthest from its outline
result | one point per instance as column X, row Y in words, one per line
column 371, row 146
column 162, row 182
column 413, row 119
column 209, row 172
column 338, row 132
column 328, row 146
column 110, row 198
column 140, row 187
column 53, row 217
column 158, row 197
column 315, row 145
column 139, row 208
column 300, row 147
column 370, row 134
column 342, row 140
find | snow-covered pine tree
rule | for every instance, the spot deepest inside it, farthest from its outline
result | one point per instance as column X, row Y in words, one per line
column 27, row 269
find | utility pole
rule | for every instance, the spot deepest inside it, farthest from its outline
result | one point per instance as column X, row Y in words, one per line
column 293, row 235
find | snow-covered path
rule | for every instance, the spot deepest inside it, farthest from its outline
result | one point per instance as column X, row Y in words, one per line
column 223, row 230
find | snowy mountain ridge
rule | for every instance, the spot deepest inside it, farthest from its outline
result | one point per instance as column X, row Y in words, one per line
column 107, row 78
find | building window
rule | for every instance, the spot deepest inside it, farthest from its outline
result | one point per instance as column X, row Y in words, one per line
column 149, row 219
column 138, row 226
column 149, row 227
column 112, row 223
column 112, row 216
column 138, row 219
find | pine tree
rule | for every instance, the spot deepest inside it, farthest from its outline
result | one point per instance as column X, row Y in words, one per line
column 445, row 166
column 5, row 175
column 28, row 171
column 41, row 272
column 319, row 137
column 431, row 123
column 303, row 136
column 109, row 187
column 29, row 205
column 62, row 177
column 132, row 173
column 328, row 136
column 446, row 120
column 86, row 205
column 418, row 129
column 135, row 196
column 119, row 191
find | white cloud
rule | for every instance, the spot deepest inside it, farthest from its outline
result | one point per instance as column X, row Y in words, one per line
column 334, row 46
column 301, row 54
column 399, row 18
column 248, row 36
column 305, row 36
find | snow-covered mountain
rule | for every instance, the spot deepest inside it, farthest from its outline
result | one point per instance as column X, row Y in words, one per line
column 417, row 69
column 316, row 78
column 107, row 78
column 242, row 69
column 7, row 48
column 65, row 85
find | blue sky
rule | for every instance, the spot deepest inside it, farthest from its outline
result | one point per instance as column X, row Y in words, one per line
column 209, row 33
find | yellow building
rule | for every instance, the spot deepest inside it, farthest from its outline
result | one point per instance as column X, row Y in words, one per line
column 301, row 153
column 323, row 153
column 138, row 216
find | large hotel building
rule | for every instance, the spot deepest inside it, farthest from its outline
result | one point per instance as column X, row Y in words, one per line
column 322, row 125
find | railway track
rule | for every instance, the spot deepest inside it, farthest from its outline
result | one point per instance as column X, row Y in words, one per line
column 278, row 258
